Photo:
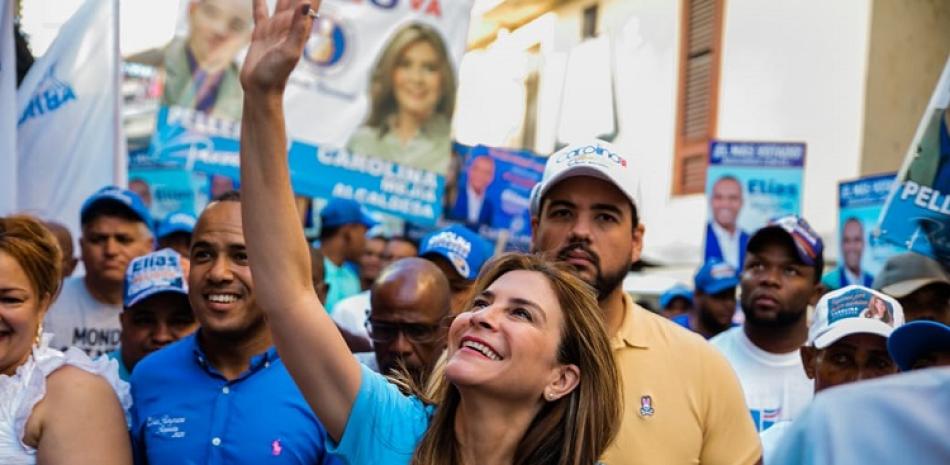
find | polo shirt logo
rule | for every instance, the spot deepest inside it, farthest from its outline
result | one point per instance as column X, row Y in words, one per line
column 646, row 406
column 166, row 426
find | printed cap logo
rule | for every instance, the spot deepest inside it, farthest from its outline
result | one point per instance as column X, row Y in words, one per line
column 860, row 303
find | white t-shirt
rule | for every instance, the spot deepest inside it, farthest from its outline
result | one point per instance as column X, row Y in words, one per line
column 78, row 319
column 775, row 385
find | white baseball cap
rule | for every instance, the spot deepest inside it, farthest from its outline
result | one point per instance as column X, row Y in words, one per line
column 853, row 310
column 595, row 158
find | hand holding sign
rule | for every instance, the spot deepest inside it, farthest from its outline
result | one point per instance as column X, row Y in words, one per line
column 276, row 44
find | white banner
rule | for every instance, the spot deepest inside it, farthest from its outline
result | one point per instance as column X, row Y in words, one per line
column 7, row 111
column 69, row 136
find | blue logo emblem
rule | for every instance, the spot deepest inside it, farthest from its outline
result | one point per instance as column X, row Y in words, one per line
column 51, row 95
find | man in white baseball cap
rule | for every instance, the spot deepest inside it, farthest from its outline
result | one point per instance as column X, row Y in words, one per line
column 678, row 389
column 847, row 342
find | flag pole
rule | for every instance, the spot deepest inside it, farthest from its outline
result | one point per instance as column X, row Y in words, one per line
column 119, row 159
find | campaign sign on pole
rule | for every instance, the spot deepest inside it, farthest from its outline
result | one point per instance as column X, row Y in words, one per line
column 861, row 251
column 493, row 193
column 368, row 107
column 748, row 184
column 917, row 214
column 170, row 190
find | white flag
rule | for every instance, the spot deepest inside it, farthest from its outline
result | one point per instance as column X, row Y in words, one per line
column 7, row 111
column 69, row 133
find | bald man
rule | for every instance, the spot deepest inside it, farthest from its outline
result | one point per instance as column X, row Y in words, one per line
column 409, row 302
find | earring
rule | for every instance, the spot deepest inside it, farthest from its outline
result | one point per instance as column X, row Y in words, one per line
column 39, row 335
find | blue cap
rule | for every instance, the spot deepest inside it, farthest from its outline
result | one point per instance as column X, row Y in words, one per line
column 117, row 196
column 339, row 212
column 715, row 276
column 677, row 291
column 908, row 342
column 178, row 222
column 464, row 249
column 152, row 274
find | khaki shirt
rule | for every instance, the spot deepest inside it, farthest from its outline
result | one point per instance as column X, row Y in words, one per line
column 682, row 401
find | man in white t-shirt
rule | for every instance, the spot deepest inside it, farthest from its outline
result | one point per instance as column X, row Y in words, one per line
column 116, row 227
column 780, row 278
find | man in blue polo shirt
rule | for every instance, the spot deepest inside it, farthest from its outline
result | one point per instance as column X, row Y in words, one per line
column 222, row 395
column 714, row 300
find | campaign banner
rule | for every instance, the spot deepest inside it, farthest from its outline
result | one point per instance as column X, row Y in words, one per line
column 748, row 184
column 916, row 216
column 369, row 106
column 493, row 193
column 861, row 251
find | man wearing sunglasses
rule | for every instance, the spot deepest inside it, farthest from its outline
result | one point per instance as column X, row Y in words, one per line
column 409, row 303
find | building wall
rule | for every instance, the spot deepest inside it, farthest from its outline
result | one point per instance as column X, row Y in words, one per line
column 791, row 71
column 909, row 45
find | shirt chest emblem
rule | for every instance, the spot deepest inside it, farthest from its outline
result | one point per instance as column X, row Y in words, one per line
column 166, row 426
column 646, row 406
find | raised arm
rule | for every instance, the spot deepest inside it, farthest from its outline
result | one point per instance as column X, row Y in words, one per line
column 305, row 336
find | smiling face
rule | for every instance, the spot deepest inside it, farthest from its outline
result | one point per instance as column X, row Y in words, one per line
column 481, row 173
column 220, row 286
column 852, row 245
column 109, row 243
column 417, row 79
column 21, row 311
column 852, row 358
column 507, row 344
column 726, row 202
column 588, row 223
column 776, row 286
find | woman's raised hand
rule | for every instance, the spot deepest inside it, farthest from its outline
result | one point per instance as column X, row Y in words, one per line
column 276, row 44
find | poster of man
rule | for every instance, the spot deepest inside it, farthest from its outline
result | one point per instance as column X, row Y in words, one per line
column 861, row 253
column 748, row 184
column 725, row 240
column 201, row 70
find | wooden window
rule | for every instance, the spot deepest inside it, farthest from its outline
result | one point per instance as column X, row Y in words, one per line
column 698, row 92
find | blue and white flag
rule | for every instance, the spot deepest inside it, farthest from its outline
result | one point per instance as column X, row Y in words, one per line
column 7, row 111
column 69, row 136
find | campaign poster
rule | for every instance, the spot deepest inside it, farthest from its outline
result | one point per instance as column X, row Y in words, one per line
column 493, row 192
column 861, row 251
column 369, row 106
column 916, row 216
column 169, row 190
column 748, row 184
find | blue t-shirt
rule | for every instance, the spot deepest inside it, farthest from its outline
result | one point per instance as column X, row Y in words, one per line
column 186, row 412
column 343, row 280
column 385, row 425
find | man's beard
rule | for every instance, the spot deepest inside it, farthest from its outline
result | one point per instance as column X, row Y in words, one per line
column 603, row 283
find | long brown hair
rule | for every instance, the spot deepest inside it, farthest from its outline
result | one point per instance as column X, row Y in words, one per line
column 381, row 86
column 36, row 250
column 573, row 430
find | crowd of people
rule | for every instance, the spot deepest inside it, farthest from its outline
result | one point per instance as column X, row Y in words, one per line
column 228, row 338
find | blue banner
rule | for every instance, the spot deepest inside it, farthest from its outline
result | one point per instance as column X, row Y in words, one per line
column 861, row 251
column 748, row 184
column 493, row 193
column 917, row 215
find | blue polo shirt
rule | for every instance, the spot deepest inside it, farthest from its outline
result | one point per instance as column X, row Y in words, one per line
column 344, row 282
column 186, row 412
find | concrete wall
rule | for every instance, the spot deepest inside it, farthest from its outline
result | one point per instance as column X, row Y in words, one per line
column 909, row 44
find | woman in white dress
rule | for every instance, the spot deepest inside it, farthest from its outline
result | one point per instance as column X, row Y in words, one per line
column 55, row 407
